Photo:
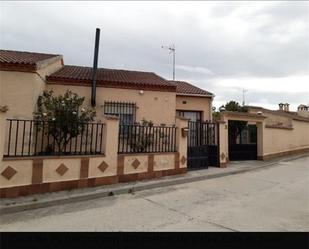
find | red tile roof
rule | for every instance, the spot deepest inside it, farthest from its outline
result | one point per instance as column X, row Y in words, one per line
column 185, row 88
column 77, row 75
column 24, row 61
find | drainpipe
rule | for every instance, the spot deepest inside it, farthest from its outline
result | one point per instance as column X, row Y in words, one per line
column 95, row 67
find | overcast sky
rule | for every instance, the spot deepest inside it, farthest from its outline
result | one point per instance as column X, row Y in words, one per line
column 222, row 47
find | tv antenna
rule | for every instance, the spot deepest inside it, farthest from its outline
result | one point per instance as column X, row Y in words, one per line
column 172, row 49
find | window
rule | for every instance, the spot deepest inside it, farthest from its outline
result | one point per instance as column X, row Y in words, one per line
column 192, row 115
column 124, row 110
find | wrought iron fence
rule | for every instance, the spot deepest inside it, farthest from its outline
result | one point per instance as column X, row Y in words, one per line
column 146, row 139
column 45, row 138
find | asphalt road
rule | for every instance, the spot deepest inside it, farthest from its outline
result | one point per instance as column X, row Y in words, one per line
column 269, row 199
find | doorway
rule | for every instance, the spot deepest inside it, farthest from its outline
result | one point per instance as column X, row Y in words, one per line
column 242, row 139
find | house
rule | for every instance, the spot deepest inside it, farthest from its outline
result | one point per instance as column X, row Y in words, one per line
column 132, row 95
column 117, row 147
column 110, row 149
column 22, row 79
column 193, row 102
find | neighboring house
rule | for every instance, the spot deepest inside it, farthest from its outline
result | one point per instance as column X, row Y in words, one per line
column 22, row 78
column 132, row 95
column 282, row 118
column 193, row 102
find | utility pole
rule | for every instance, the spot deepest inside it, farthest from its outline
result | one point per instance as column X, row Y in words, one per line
column 172, row 49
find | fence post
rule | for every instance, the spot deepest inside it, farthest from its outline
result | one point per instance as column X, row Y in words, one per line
column 110, row 137
column 181, row 139
column 3, row 110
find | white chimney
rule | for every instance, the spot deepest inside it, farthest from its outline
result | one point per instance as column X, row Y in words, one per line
column 302, row 110
column 281, row 106
column 286, row 107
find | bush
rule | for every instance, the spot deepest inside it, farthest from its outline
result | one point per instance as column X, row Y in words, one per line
column 64, row 115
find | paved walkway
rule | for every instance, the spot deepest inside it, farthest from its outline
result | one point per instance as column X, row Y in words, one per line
column 272, row 198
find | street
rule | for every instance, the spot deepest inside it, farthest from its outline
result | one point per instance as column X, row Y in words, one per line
column 269, row 199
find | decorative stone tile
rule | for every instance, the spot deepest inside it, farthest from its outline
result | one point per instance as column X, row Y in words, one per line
column 103, row 166
column 183, row 160
column 222, row 156
column 9, row 172
column 136, row 163
column 62, row 169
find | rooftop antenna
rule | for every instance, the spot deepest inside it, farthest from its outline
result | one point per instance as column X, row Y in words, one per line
column 243, row 96
column 172, row 49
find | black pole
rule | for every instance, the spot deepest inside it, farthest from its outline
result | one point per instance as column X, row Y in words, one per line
column 95, row 67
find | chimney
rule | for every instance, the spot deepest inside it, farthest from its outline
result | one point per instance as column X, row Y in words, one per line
column 95, row 67
column 281, row 106
column 302, row 110
column 286, row 107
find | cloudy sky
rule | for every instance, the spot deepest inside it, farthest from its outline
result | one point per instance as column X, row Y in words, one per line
column 222, row 47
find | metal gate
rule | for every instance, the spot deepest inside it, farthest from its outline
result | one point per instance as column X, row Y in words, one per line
column 243, row 145
column 203, row 145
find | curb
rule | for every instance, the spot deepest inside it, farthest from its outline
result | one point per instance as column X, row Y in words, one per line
column 139, row 186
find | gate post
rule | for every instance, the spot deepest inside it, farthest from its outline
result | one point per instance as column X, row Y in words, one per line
column 3, row 110
column 111, row 133
column 181, row 140
column 260, row 142
column 223, row 144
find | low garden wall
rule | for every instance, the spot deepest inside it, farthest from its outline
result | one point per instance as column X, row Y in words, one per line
column 32, row 175
column 272, row 140
column 280, row 141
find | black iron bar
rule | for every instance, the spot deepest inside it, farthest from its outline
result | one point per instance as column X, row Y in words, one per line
column 16, row 137
column 101, row 138
column 42, row 140
column 86, row 138
column 48, row 131
column 30, row 136
column 91, row 138
column 81, row 139
column 9, row 142
column 22, row 147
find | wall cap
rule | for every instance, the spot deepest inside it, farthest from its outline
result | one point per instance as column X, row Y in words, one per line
column 50, row 157
column 243, row 114
column 279, row 127
column 220, row 121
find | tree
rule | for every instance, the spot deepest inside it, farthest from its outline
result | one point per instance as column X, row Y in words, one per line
column 63, row 115
column 235, row 107
column 235, row 127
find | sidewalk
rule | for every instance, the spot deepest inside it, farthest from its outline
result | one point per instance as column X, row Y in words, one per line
column 11, row 205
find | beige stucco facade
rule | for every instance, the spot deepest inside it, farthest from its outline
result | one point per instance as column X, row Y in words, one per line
column 157, row 106
column 20, row 90
column 190, row 103
column 291, row 136
column 278, row 140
